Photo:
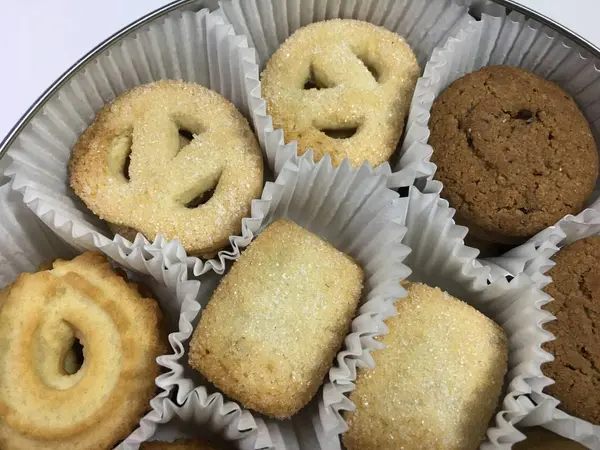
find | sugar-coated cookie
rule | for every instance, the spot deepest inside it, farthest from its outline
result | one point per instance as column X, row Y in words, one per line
column 343, row 88
column 170, row 157
column 273, row 326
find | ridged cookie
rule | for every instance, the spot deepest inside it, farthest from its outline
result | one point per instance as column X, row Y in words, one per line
column 46, row 400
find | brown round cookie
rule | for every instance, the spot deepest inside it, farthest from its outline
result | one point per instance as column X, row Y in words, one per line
column 514, row 152
column 575, row 289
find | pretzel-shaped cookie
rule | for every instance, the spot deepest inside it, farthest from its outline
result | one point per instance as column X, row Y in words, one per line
column 44, row 401
column 133, row 168
column 342, row 87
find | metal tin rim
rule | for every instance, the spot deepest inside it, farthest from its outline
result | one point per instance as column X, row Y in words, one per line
column 54, row 87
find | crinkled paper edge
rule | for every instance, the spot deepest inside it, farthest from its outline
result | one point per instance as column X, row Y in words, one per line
column 357, row 345
column 534, row 259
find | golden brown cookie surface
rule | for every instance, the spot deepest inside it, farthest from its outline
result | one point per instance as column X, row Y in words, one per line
column 575, row 290
column 341, row 87
column 46, row 399
column 273, row 326
column 514, row 152
column 132, row 167
column 436, row 384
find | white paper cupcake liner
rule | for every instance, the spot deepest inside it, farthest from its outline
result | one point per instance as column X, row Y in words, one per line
column 26, row 243
column 187, row 421
column 500, row 39
column 534, row 258
column 439, row 258
column 267, row 24
column 194, row 46
column 356, row 213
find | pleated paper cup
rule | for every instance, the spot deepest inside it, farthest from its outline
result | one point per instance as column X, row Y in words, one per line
column 439, row 258
column 513, row 40
column 268, row 24
column 534, row 258
column 26, row 244
column 200, row 47
column 186, row 421
column 322, row 198
column 356, row 213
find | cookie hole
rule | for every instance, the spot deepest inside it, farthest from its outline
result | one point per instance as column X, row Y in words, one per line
column 201, row 198
column 314, row 82
column 340, row 133
column 370, row 68
column 126, row 165
column 119, row 156
column 310, row 84
column 185, row 137
column 74, row 358
column 526, row 115
column 550, row 136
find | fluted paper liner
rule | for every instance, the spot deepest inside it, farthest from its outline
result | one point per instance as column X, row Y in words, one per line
column 332, row 203
column 498, row 39
column 199, row 47
column 516, row 41
column 26, row 243
column 439, row 258
column 267, row 24
column 355, row 212
column 534, row 258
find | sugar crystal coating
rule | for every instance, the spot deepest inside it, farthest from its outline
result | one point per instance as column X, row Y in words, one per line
column 437, row 382
column 130, row 169
column 363, row 77
column 273, row 326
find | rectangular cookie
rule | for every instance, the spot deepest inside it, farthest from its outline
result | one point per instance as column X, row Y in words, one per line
column 275, row 323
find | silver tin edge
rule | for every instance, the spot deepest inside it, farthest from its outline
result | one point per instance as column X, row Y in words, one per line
column 197, row 4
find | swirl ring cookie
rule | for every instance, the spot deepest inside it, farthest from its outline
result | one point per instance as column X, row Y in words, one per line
column 170, row 157
column 46, row 404
column 342, row 87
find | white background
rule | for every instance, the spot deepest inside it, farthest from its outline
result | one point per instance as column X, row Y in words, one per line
column 39, row 42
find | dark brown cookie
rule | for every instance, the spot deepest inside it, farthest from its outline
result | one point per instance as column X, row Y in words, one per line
column 576, row 291
column 541, row 439
column 514, row 152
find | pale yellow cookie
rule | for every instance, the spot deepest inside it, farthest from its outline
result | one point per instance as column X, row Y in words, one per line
column 48, row 399
column 437, row 382
column 342, row 87
column 170, row 157
column 273, row 326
